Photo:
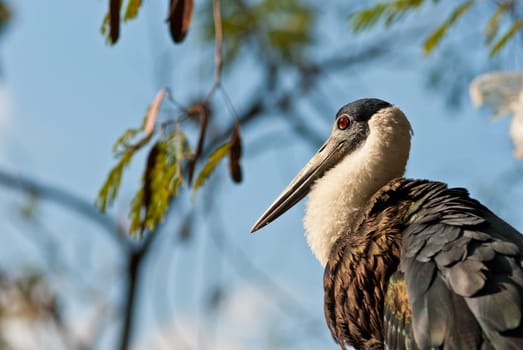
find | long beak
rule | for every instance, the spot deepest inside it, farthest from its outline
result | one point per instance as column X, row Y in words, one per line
column 327, row 157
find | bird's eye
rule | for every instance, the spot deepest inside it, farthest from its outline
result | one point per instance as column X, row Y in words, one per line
column 343, row 122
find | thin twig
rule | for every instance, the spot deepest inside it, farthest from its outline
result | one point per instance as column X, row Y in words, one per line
column 170, row 97
column 218, row 33
column 228, row 102
column 135, row 266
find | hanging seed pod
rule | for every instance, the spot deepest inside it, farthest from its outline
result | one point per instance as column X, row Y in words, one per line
column 204, row 119
column 203, row 112
column 235, row 154
column 180, row 15
column 147, row 176
column 114, row 20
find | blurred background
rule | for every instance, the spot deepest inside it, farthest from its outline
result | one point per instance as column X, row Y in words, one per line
column 73, row 278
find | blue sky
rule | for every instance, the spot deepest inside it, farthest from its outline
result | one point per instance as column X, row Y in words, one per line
column 71, row 96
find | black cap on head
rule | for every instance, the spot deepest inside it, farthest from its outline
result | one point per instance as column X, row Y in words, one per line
column 362, row 110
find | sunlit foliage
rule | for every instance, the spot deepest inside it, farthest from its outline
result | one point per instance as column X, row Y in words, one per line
column 393, row 11
column 282, row 29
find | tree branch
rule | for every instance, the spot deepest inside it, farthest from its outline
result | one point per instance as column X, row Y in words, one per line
column 62, row 197
column 133, row 277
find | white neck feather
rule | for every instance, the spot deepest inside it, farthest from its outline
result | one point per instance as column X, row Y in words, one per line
column 343, row 191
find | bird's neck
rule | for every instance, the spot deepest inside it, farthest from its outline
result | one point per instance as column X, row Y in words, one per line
column 338, row 197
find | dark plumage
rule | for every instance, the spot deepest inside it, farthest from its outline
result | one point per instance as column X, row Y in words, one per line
column 409, row 264
column 449, row 267
column 364, row 109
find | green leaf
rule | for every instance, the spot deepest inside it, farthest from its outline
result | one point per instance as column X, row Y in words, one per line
column 435, row 37
column 401, row 5
column 213, row 160
column 494, row 50
column 136, row 213
column 152, row 199
column 109, row 189
column 124, row 139
column 491, row 29
column 156, row 180
column 131, row 11
column 183, row 148
column 162, row 178
column 369, row 17
column 392, row 11
column 111, row 185
column 104, row 28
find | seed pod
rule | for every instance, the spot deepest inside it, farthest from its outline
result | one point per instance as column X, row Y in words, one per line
column 180, row 15
column 203, row 112
column 147, row 175
column 235, row 154
column 114, row 20
column 152, row 113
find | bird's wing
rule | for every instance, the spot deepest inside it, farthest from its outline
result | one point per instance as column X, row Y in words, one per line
column 397, row 315
column 463, row 271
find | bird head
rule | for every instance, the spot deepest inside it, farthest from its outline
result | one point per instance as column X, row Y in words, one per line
column 370, row 137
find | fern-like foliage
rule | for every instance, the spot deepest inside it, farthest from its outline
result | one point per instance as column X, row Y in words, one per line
column 492, row 27
column 124, row 150
column 282, row 29
column 511, row 32
column 110, row 188
column 214, row 159
column 389, row 11
column 161, row 181
column 435, row 37
column 131, row 10
column 168, row 159
column 392, row 11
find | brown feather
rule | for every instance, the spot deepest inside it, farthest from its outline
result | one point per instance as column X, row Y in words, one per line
column 357, row 273
column 420, row 252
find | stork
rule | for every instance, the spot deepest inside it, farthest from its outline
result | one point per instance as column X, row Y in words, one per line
column 409, row 264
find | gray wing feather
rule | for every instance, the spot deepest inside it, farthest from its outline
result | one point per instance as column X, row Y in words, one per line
column 463, row 269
